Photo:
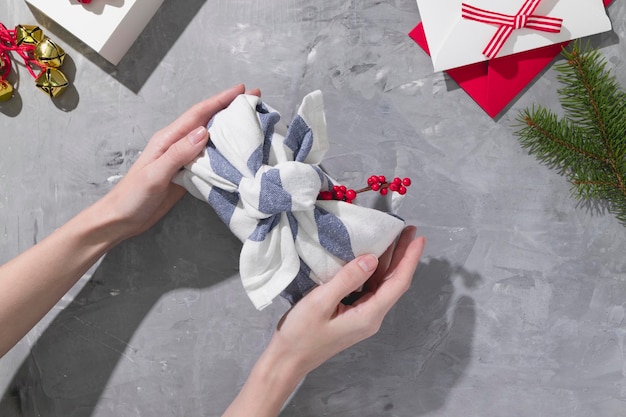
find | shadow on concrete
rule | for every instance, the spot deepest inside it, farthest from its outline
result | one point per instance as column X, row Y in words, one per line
column 69, row 366
column 411, row 365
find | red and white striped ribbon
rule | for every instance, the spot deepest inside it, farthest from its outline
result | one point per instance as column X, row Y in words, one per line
column 507, row 23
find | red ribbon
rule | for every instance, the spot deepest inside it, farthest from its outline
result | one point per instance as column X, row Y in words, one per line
column 8, row 43
column 507, row 23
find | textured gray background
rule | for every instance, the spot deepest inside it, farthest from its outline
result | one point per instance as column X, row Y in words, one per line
column 516, row 310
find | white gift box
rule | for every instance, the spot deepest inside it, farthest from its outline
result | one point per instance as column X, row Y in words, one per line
column 454, row 41
column 108, row 27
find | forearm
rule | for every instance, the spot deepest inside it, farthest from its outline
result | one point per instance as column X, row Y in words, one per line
column 32, row 283
column 272, row 379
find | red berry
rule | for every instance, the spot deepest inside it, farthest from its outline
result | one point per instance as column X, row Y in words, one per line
column 350, row 194
column 397, row 180
column 406, row 181
column 402, row 190
column 381, row 178
column 375, row 186
column 325, row 195
column 336, row 188
column 372, row 180
column 343, row 188
column 339, row 195
column 394, row 186
column 383, row 191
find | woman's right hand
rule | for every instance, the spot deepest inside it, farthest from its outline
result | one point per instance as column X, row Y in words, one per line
column 320, row 325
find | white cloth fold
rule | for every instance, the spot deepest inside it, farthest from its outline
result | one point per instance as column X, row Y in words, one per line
column 264, row 186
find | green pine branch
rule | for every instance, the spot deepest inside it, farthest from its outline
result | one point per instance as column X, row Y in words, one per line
column 588, row 144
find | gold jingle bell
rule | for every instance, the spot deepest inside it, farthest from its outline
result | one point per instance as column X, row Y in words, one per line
column 48, row 53
column 28, row 35
column 6, row 90
column 51, row 81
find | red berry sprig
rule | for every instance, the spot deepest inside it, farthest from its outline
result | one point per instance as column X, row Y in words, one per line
column 374, row 183
column 379, row 183
column 339, row 192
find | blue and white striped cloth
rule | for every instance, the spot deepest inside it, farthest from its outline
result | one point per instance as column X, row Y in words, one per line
column 264, row 186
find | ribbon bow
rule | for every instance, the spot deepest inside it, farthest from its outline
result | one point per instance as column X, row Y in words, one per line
column 524, row 18
column 264, row 186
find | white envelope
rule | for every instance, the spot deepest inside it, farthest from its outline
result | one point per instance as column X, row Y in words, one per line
column 455, row 42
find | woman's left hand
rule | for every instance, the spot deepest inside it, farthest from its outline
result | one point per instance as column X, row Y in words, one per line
column 146, row 192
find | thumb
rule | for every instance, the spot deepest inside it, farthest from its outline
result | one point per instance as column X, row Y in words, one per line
column 349, row 278
column 182, row 152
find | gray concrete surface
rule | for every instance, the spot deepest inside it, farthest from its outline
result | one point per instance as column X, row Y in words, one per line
column 517, row 309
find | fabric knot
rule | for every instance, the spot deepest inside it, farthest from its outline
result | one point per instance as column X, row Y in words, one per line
column 288, row 186
column 520, row 21
column 264, row 186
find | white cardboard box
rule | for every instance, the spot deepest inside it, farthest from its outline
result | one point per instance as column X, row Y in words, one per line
column 109, row 27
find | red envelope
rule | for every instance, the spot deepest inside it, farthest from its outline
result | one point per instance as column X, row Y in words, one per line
column 494, row 83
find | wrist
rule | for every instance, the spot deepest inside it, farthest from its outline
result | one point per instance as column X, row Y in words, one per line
column 100, row 226
column 280, row 372
column 273, row 379
column 281, row 366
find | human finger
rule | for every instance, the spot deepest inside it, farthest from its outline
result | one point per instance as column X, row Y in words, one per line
column 383, row 265
column 198, row 115
column 405, row 239
column 399, row 278
column 181, row 153
column 392, row 253
column 254, row 92
column 349, row 278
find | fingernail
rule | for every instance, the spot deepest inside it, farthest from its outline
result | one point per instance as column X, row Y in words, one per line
column 197, row 135
column 368, row 263
column 234, row 87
